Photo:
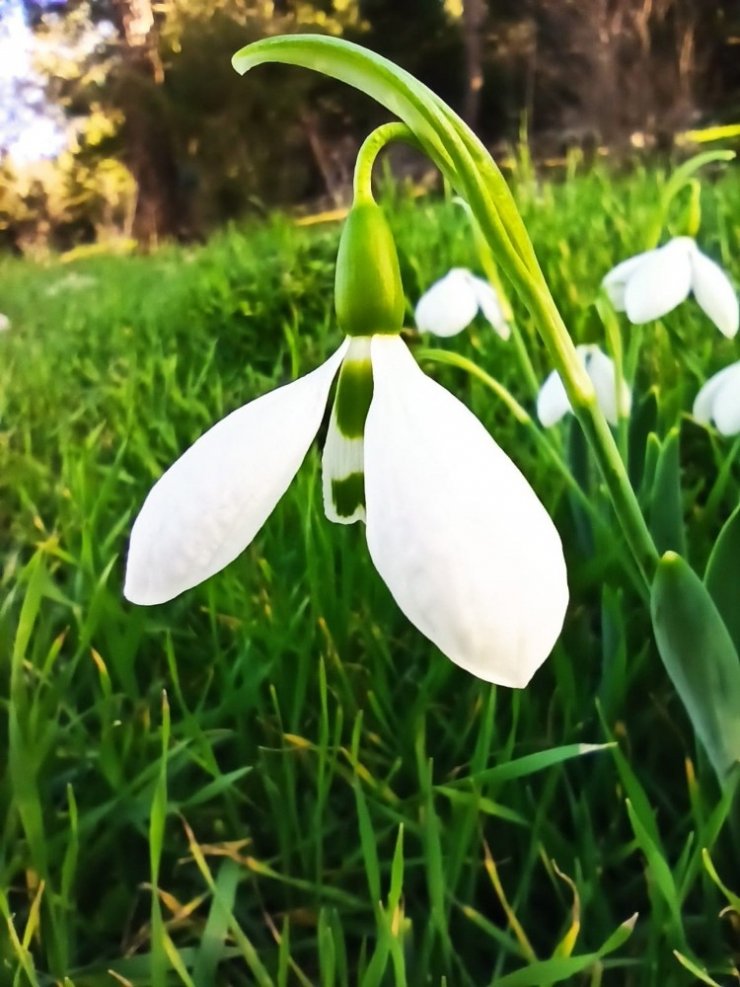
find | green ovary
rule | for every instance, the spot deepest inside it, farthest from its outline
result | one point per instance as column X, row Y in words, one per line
column 354, row 394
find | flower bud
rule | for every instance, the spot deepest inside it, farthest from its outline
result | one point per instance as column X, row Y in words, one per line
column 368, row 292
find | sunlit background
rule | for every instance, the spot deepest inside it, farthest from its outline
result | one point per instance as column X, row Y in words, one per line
column 122, row 119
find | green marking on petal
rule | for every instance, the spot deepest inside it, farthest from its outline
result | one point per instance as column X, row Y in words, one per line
column 348, row 494
column 354, row 394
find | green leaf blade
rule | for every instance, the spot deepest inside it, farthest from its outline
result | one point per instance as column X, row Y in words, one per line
column 722, row 576
column 700, row 658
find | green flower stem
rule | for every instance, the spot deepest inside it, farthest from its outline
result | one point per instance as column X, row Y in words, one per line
column 490, row 268
column 615, row 348
column 597, row 431
column 680, row 178
column 480, row 179
column 362, row 186
column 453, row 359
column 523, row 356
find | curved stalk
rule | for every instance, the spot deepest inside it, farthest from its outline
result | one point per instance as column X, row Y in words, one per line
column 471, row 171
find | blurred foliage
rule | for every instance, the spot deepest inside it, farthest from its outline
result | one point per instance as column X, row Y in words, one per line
column 148, row 89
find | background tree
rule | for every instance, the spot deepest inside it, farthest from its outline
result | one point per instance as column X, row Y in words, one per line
column 148, row 87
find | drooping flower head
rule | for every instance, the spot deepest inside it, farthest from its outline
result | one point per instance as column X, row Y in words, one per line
column 453, row 528
column 718, row 401
column 649, row 285
column 613, row 398
column 451, row 304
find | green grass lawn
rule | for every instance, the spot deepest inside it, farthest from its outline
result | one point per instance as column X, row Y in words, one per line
column 275, row 779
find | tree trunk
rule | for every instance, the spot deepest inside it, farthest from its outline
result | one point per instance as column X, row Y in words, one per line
column 473, row 12
column 149, row 150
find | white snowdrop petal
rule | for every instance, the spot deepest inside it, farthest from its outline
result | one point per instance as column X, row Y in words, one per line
column 603, row 374
column 616, row 294
column 660, row 282
column 552, row 401
column 490, row 306
column 4, row 322
column 615, row 282
column 449, row 305
column 213, row 500
column 455, row 531
column 714, row 293
column 704, row 400
column 726, row 410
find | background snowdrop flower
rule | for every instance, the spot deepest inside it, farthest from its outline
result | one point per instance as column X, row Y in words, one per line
column 454, row 529
column 719, row 401
column 553, row 403
column 451, row 304
column 73, row 281
column 4, row 323
column 649, row 285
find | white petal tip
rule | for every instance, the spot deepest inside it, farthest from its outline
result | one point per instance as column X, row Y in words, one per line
column 714, row 293
column 455, row 531
column 136, row 591
column 729, row 326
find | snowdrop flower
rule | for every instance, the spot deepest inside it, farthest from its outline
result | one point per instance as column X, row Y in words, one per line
column 453, row 302
column 719, row 401
column 453, row 528
column 649, row 285
column 553, row 403
column 4, row 323
column 455, row 531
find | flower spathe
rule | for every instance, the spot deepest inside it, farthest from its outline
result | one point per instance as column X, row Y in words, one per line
column 649, row 285
column 553, row 403
column 718, row 401
column 451, row 304
column 455, row 531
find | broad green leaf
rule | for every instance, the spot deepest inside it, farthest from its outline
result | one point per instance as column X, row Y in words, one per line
column 642, row 423
column 649, row 466
column 666, row 511
column 722, row 576
column 700, row 659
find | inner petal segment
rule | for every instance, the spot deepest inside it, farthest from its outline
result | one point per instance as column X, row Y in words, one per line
column 343, row 463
